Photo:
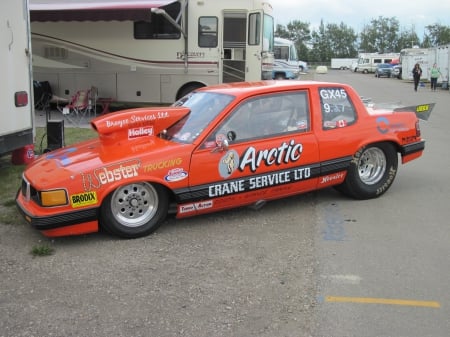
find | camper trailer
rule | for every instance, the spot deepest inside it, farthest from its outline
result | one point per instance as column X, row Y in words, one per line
column 150, row 50
column 16, row 109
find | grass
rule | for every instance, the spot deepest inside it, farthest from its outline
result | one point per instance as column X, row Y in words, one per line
column 42, row 250
column 11, row 175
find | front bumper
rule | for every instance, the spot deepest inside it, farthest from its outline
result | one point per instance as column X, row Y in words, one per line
column 55, row 220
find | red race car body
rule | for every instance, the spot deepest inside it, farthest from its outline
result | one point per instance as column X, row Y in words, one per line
column 217, row 148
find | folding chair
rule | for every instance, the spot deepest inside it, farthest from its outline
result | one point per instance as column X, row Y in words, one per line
column 42, row 95
column 78, row 107
column 93, row 97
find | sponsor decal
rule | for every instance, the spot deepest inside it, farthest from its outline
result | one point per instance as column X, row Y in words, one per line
column 228, row 163
column 176, row 174
column 284, row 154
column 332, row 177
column 135, row 120
column 83, row 199
column 163, row 164
column 258, row 182
column 422, row 108
column 196, row 206
column 111, row 173
column 140, row 132
column 384, row 126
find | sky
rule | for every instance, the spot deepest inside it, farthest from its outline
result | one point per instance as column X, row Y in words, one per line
column 356, row 14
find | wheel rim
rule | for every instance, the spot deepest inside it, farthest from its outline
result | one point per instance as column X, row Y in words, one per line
column 134, row 205
column 372, row 166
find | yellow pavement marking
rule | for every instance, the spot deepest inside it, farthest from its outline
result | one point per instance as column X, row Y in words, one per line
column 371, row 300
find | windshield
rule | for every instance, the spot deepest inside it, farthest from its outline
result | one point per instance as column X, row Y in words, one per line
column 205, row 106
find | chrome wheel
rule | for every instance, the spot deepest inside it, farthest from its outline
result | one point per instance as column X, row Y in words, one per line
column 372, row 165
column 134, row 205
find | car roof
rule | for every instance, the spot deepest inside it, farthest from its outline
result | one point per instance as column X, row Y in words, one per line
column 261, row 87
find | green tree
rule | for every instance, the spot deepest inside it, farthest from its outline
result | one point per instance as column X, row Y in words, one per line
column 321, row 51
column 342, row 40
column 298, row 32
column 437, row 34
column 407, row 39
column 381, row 35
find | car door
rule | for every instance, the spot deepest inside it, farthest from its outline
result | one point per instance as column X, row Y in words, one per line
column 267, row 151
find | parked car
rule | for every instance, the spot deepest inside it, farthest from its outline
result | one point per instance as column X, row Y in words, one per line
column 383, row 70
column 217, row 148
column 397, row 71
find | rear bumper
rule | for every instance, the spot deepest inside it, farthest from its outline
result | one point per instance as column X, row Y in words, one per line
column 412, row 151
column 412, row 148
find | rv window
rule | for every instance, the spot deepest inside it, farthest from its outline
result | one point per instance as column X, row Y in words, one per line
column 159, row 27
column 207, row 31
column 254, row 29
column 376, row 60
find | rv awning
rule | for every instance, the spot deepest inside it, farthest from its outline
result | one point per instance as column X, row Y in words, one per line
column 95, row 10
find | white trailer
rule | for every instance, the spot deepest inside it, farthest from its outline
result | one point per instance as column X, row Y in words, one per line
column 342, row 63
column 286, row 63
column 150, row 50
column 409, row 57
column 441, row 56
column 16, row 108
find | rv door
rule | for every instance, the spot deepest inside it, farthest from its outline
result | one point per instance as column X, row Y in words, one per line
column 255, row 51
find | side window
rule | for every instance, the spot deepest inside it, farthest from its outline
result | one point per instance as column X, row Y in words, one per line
column 337, row 109
column 254, row 29
column 269, row 115
column 207, row 32
column 158, row 27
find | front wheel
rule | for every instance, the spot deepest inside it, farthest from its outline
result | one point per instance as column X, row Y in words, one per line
column 372, row 171
column 134, row 210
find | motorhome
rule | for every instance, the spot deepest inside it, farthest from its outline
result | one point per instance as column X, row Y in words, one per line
column 286, row 64
column 150, row 50
column 16, row 96
column 367, row 62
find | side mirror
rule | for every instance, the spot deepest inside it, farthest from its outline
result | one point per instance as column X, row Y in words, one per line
column 221, row 143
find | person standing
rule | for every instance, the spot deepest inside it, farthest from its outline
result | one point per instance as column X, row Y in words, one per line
column 434, row 75
column 417, row 72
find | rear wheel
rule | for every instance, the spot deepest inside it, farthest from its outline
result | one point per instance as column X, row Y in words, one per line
column 134, row 210
column 188, row 88
column 371, row 172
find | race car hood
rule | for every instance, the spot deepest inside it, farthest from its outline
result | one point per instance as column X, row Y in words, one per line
column 134, row 123
column 121, row 135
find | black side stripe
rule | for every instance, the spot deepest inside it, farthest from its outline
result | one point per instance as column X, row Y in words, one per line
column 295, row 174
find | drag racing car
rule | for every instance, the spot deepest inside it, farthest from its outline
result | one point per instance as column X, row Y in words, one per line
column 217, row 148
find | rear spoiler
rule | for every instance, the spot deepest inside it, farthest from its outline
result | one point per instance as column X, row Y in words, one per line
column 423, row 111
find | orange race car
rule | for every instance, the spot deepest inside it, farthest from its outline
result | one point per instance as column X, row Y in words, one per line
column 217, row 148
